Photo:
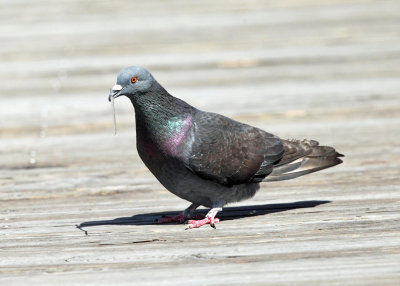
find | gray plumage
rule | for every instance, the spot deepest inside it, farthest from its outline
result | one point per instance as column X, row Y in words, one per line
column 206, row 158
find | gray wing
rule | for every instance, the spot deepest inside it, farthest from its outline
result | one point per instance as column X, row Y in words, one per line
column 230, row 152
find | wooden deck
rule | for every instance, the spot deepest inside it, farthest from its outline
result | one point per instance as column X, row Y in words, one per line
column 324, row 70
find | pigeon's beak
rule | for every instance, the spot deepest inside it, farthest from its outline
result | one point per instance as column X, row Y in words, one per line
column 114, row 91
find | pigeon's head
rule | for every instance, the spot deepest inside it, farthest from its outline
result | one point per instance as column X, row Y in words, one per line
column 132, row 81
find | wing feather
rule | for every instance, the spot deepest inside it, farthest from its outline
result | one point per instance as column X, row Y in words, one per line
column 230, row 152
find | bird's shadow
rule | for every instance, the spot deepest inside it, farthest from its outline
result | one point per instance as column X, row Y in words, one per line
column 229, row 213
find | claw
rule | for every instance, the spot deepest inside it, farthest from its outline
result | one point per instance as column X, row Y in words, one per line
column 213, row 222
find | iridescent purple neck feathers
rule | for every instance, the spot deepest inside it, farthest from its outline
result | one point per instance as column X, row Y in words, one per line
column 162, row 123
column 163, row 140
column 177, row 129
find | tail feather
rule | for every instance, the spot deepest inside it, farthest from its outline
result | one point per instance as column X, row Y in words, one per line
column 301, row 158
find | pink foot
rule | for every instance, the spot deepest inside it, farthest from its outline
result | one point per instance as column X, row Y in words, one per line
column 201, row 222
column 178, row 218
column 169, row 219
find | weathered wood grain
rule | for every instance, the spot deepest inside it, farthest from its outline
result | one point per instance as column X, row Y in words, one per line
column 324, row 70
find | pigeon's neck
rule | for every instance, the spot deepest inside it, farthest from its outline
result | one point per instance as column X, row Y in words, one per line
column 162, row 121
column 158, row 106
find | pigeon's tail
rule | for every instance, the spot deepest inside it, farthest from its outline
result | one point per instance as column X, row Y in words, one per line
column 301, row 158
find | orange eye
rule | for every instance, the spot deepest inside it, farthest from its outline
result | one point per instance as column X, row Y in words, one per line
column 134, row 79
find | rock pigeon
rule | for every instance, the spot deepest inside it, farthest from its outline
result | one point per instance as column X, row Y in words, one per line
column 206, row 158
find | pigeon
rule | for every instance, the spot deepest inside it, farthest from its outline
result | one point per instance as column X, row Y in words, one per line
column 206, row 158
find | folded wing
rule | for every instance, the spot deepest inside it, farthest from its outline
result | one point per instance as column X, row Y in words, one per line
column 230, row 152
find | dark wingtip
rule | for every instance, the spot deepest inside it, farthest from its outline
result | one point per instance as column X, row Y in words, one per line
column 339, row 161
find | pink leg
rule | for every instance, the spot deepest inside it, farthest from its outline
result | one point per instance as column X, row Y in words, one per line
column 209, row 219
column 186, row 214
column 169, row 219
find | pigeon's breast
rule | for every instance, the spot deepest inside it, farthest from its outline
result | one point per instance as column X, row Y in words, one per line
column 175, row 134
column 164, row 139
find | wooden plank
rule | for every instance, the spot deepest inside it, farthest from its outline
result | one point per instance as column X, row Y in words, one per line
column 300, row 69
